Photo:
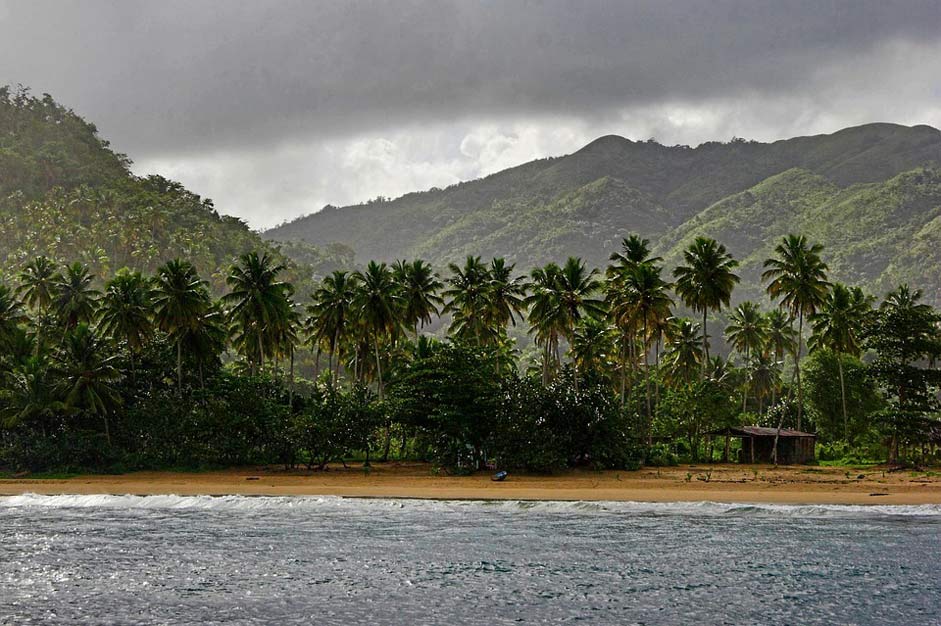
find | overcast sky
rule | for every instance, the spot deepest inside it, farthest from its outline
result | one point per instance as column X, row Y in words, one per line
column 274, row 109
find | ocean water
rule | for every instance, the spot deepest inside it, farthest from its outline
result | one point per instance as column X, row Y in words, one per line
column 267, row 560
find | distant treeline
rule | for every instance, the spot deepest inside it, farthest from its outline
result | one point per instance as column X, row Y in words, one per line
column 152, row 371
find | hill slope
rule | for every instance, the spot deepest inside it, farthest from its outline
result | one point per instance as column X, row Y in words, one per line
column 65, row 194
column 586, row 200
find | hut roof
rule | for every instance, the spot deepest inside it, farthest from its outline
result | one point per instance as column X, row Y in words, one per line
column 760, row 431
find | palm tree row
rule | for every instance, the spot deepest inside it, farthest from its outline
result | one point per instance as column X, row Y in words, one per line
column 616, row 320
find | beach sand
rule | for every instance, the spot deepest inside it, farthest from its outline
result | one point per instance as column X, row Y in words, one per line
column 718, row 483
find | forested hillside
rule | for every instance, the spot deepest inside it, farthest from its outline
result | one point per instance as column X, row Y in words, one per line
column 66, row 195
column 865, row 192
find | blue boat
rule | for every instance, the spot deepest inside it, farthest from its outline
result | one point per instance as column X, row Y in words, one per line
column 499, row 477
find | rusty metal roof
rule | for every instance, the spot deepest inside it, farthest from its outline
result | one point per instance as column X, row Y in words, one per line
column 759, row 431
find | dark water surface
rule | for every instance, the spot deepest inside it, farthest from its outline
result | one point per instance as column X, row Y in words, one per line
column 239, row 560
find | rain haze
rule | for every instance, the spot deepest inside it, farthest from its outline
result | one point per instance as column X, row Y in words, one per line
column 274, row 109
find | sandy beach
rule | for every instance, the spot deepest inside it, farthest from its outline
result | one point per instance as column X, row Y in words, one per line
column 720, row 483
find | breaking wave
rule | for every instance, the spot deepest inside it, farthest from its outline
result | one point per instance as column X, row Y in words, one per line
column 328, row 503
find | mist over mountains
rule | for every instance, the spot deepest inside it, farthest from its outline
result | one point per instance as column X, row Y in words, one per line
column 870, row 194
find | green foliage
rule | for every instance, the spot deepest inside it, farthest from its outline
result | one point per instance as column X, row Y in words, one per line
column 545, row 428
column 451, row 394
column 823, row 397
column 692, row 410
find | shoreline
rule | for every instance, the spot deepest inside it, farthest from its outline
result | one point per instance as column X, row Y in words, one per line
column 689, row 483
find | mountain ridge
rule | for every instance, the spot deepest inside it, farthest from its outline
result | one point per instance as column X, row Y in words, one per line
column 583, row 203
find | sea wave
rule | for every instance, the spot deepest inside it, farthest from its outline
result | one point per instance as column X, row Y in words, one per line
column 326, row 503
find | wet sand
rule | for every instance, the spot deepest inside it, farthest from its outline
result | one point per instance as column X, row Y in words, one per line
column 719, row 483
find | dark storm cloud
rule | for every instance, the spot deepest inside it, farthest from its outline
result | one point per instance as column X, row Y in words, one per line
column 171, row 78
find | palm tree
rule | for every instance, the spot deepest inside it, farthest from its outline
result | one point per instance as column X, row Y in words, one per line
column 780, row 340
column 11, row 314
column 468, row 299
column 577, row 288
column 379, row 306
column 798, row 278
column 330, row 314
column 634, row 251
column 74, row 299
column 29, row 395
column 506, row 296
column 260, row 305
column 37, row 290
column 419, row 286
column 378, row 303
column 683, row 357
column 592, row 344
column 205, row 339
column 765, row 377
column 837, row 326
column 546, row 314
column 86, row 376
column 125, row 312
column 37, row 285
column 746, row 333
column 647, row 298
column 706, row 281
column 180, row 300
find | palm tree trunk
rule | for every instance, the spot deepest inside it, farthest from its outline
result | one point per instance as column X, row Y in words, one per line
column 291, row 387
column 705, row 345
column 623, row 374
column 797, row 367
column 745, row 386
column 261, row 355
column 656, row 389
column 643, row 346
column 179, row 366
column 846, row 428
column 388, row 428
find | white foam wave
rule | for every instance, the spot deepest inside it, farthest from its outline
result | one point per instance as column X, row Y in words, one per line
column 327, row 503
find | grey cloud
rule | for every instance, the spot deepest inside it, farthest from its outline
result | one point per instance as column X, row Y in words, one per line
column 174, row 78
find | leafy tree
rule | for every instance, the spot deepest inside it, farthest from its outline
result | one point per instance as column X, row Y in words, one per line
column 706, row 281
column 840, row 395
column 904, row 334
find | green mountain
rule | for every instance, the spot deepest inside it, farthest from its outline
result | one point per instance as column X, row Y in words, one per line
column 870, row 194
column 65, row 194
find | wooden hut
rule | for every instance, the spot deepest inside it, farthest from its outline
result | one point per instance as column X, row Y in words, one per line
column 794, row 446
